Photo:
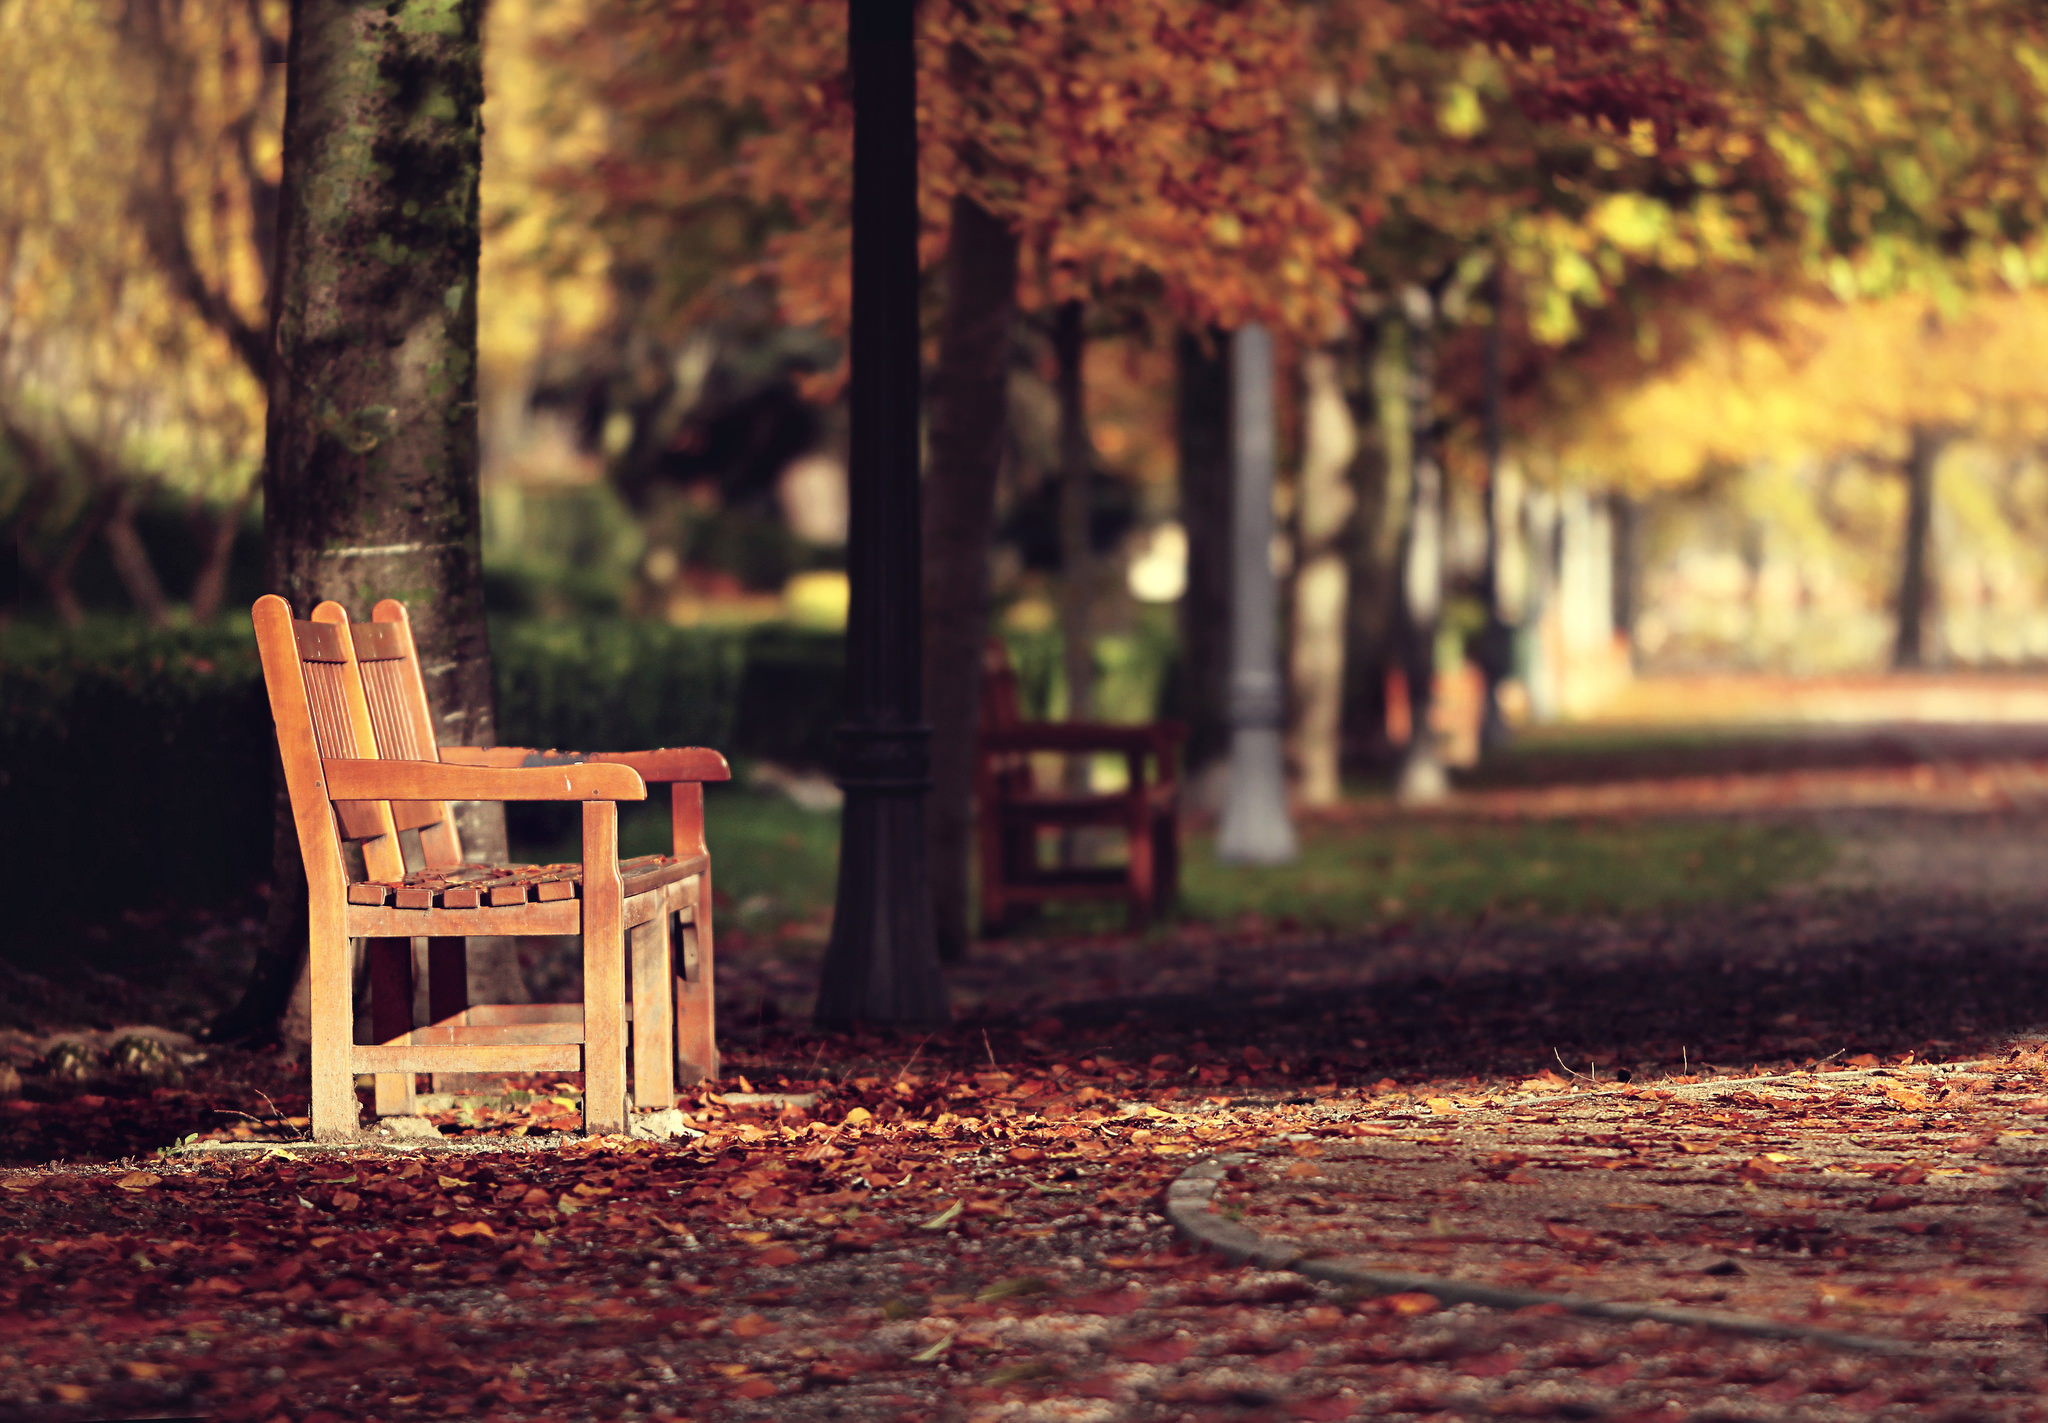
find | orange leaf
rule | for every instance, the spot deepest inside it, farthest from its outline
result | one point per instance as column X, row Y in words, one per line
column 138, row 1181
column 755, row 1326
column 464, row 1229
column 777, row 1256
column 1575, row 1236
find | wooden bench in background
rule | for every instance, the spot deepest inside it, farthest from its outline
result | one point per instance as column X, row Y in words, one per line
column 361, row 765
column 1011, row 810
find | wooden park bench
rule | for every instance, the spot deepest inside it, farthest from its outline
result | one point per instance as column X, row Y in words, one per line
column 1012, row 808
column 361, row 765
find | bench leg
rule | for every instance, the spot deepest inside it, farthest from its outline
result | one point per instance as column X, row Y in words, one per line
column 696, row 1025
column 390, row 966
column 447, row 991
column 604, row 972
column 653, row 1053
column 330, row 973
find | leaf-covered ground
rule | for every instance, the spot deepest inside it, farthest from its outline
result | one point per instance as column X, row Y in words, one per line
column 968, row 1224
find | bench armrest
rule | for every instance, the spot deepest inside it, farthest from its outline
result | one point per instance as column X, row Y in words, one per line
column 437, row 780
column 672, row 763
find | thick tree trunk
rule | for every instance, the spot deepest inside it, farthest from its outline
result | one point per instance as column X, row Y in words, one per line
column 1379, row 482
column 1077, row 562
column 969, row 414
column 1202, row 432
column 1329, row 446
column 1422, row 562
column 881, row 966
column 370, row 472
column 1910, row 650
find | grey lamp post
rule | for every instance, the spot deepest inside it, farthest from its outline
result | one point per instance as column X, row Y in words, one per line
column 1255, row 829
column 882, row 965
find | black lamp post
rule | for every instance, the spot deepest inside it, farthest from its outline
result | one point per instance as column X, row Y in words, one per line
column 882, row 965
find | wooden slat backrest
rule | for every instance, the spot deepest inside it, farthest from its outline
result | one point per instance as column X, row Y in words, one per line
column 366, row 820
column 403, row 724
column 309, row 672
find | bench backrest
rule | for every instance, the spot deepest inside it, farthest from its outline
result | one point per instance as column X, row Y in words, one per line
column 402, row 723
column 317, row 703
column 352, row 691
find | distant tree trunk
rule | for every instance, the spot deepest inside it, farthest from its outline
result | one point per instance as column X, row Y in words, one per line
column 1624, row 515
column 969, row 415
column 1910, row 650
column 1379, row 481
column 1496, row 639
column 1202, row 434
column 370, row 466
column 1329, row 445
column 211, row 585
column 1422, row 562
column 1077, row 562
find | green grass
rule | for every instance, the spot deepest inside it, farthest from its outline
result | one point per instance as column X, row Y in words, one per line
column 772, row 861
column 1355, row 875
column 775, row 864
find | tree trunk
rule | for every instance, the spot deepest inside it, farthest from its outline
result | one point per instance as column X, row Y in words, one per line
column 211, row 585
column 1422, row 564
column 370, row 467
column 1077, row 563
column 1202, row 432
column 1910, row 650
column 969, row 415
column 132, row 564
column 1329, row 446
column 881, row 966
column 1379, row 480
column 1497, row 638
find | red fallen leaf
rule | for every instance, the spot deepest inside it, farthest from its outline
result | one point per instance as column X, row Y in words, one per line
column 1255, row 1058
column 1023, row 1155
column 1889, row 1201
column 756, row 1388
column 1611, row 1375
column 1113, row 1303
column 1327, row 1409
column 755, row 1326
column 777, row 1256
column 1413, row 1302
column 1170, row 1350
column 1520, row 1176
column 1576, row 1237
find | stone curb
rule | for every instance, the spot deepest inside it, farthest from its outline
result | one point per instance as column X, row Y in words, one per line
column 1189, row 1206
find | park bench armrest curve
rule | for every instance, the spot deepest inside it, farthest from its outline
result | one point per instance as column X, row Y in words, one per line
column 437, row 780
column 669, row 763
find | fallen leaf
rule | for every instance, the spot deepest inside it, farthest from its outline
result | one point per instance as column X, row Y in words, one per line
column 464, row 1229
column 931, row 1354
column 859, row 1116
column 1014, row 1286
column 944, row 1218
column 1577, row 1237
column 755, row 1326
column 448, row 1183
column 138, row 1181
column 777, row 1256
column 1412, row 1302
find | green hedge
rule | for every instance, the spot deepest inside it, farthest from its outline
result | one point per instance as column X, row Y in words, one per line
column 135, row 764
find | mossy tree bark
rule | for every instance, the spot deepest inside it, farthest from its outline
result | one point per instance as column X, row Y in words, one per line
column 969, row 417
column 370, row 471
